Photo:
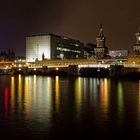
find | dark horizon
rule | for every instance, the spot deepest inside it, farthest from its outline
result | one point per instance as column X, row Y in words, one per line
column 78, row 19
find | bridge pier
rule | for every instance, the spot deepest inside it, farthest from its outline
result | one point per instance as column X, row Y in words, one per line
column 73, row 70
column 116, row 70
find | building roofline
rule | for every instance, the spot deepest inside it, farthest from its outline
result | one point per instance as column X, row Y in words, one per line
column 44, row 34
column 51, row 34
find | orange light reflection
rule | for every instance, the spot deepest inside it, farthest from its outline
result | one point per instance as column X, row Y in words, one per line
column 12, row 92
column 26, row 94
column 19, row 90
column 104, row 96
column 57, row 101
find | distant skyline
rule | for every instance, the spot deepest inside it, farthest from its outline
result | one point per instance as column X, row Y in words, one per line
column 77, row 19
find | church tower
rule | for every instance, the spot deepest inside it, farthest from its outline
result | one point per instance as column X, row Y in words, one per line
column 100, row 39
column 136, row 47
column 100, row 50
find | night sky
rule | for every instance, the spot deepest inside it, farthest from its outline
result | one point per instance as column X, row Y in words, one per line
column 77, row 19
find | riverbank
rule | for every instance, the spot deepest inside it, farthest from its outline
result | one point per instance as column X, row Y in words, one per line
column 94, row 74
column 112, row 72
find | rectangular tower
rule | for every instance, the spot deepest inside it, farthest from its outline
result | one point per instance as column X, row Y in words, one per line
column 37, row 46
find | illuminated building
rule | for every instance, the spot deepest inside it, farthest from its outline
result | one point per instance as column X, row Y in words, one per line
column 100, row 50
column 134, row 59
column 118, row 53
column 50, row 46
column 136, row 47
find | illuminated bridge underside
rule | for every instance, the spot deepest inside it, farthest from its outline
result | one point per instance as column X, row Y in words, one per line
column 81, row 63
column 66, row 63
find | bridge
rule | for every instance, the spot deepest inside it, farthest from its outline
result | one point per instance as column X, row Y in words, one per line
column 70, row 65
column 91, row 62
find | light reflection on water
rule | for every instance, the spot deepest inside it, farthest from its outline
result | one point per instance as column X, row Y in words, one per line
column 57, row 100
column 78, row 96
column 104, row 96
column 13, row 93
column 51, row 106
column 120, row 98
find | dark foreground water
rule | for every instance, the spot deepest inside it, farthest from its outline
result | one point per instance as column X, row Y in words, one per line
column 39, row 107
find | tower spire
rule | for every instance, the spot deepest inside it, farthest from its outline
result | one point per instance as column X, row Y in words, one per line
column 100, row 49
column 101, row 31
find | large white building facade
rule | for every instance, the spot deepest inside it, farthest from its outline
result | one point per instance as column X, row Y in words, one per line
column 37, row 46
column 50, row 46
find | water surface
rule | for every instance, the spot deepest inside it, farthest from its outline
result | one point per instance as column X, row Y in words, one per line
column 40, row 107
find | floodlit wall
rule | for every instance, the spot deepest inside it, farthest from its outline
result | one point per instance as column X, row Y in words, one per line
column 36, row 46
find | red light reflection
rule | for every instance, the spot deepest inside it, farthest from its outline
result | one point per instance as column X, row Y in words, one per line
column 6, row 91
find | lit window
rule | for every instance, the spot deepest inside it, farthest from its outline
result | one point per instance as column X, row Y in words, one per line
column 76, row 45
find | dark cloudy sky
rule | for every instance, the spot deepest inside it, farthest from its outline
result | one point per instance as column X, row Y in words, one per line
column 77, row 19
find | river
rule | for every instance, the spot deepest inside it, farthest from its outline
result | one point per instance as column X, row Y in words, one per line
column 41, row 107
